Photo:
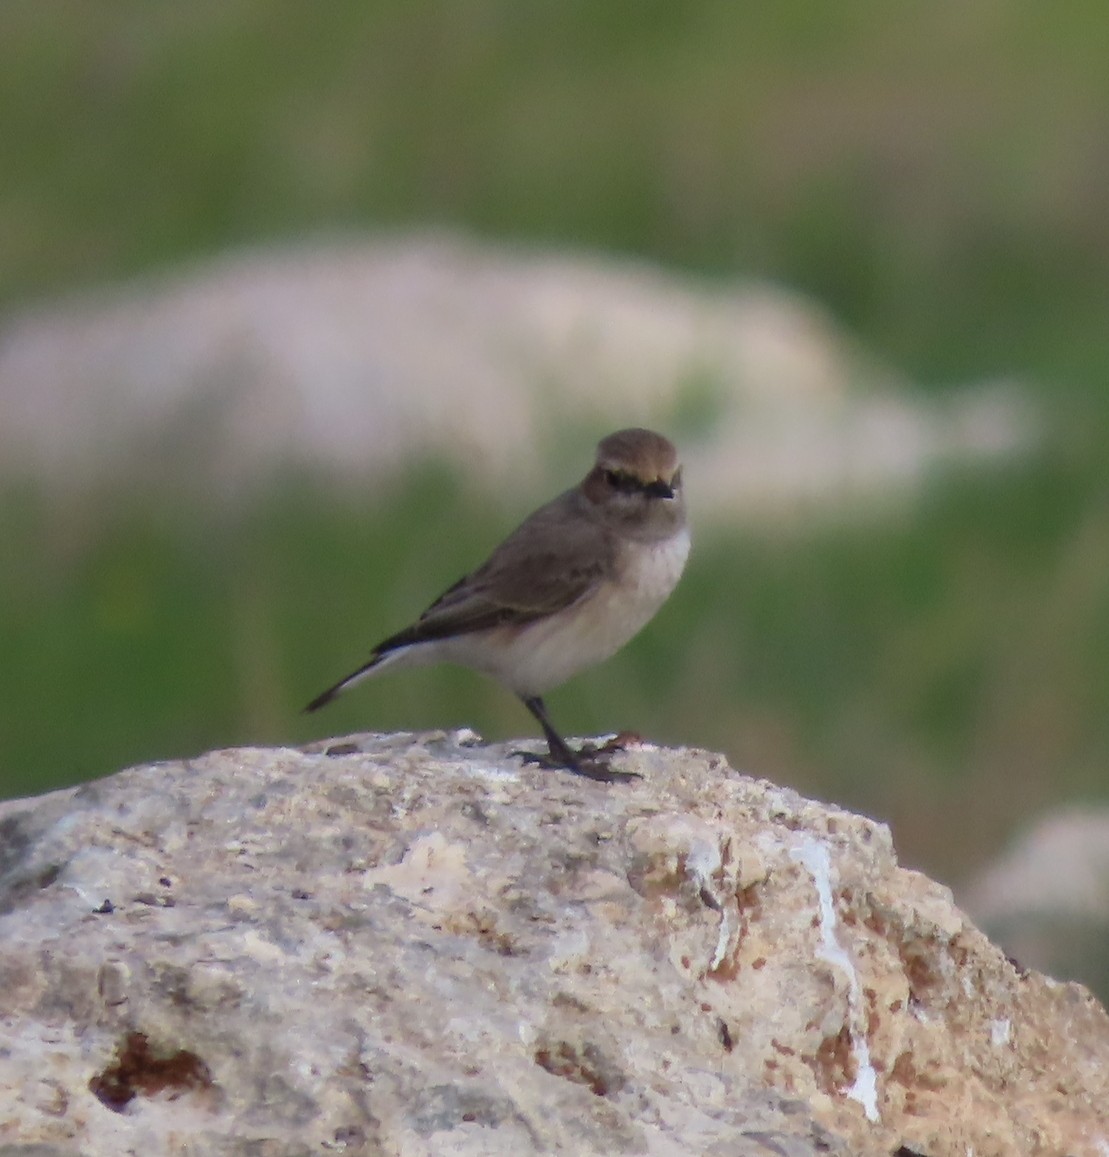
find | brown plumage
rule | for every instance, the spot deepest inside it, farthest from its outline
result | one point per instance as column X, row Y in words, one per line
column 563, row 591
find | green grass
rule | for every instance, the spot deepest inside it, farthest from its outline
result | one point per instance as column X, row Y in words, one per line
column 945, row 668
column 932, row 174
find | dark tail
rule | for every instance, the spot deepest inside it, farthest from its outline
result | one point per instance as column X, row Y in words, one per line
column 335, row 691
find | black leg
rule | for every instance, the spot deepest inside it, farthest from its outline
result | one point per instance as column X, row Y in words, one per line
column 562, row 755
column 558, row 747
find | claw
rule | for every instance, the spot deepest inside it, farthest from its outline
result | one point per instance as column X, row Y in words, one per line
column 580, row 764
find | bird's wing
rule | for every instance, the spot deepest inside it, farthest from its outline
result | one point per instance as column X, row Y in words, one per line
column 547, row 564
column 551, row 560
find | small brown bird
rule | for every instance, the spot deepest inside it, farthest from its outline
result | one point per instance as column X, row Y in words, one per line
column 564, row 591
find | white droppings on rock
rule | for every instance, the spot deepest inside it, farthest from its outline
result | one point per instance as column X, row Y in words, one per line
column 813, row 855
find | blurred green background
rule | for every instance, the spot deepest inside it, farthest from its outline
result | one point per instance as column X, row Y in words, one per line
column 935, row 175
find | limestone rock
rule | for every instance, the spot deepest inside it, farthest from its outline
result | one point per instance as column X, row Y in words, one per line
column 421, row 947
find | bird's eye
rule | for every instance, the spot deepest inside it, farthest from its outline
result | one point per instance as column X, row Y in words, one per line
column 618, row 480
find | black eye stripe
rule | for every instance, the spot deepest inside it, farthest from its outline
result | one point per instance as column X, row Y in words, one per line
column 618, row 480
column 626, row 483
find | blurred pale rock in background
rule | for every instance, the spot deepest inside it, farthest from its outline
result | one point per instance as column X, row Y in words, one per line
column 1046, row 900
column 354, row 358
column 421, row 947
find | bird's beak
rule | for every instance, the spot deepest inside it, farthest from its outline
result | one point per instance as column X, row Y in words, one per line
column 659, row 489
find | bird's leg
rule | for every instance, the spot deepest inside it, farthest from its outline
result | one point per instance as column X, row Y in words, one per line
column 558, row 747
column 561, row 754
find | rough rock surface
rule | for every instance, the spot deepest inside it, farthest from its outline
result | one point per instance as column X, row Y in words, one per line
column 421, row 946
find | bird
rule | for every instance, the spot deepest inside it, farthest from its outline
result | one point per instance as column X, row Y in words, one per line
column 564, row 591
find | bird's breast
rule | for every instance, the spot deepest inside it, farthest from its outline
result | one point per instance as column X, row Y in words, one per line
column 546, row 652
column 648, row 572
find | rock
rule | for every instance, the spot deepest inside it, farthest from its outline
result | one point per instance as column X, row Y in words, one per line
column 1046, row 899
column 424, row 947
column 352, row 360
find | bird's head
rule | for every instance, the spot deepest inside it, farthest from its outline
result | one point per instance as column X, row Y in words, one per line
column 637, row 482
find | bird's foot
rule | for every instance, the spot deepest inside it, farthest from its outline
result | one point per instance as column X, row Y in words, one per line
column 621, row 741
column 590, row 763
